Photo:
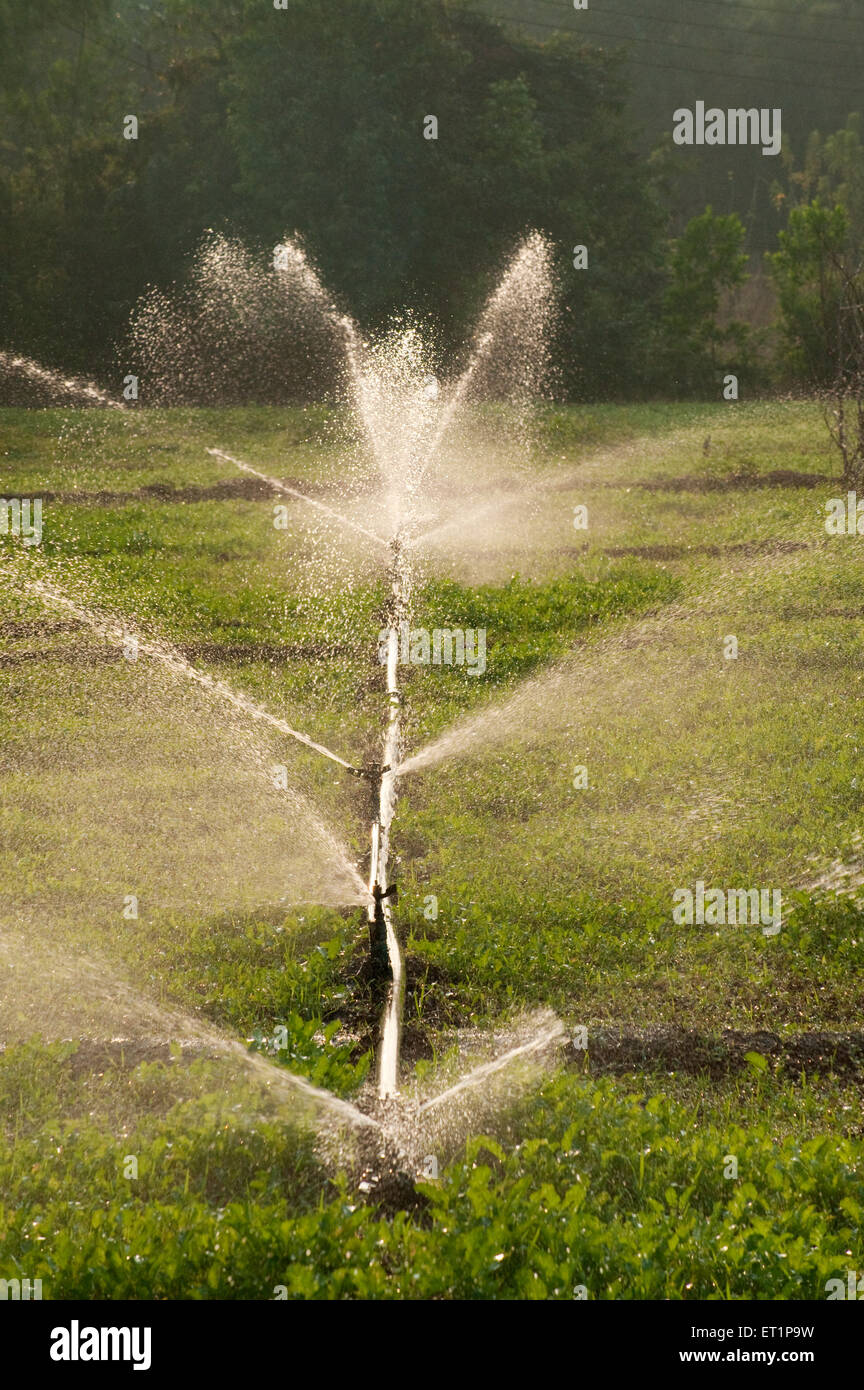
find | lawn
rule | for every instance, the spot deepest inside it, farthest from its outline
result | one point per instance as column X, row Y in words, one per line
column 524, row 883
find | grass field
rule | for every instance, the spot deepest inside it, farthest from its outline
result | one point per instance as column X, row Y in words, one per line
column 608, row 650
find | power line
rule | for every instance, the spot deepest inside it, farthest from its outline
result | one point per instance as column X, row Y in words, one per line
column 670, row 43
column 760, row 9
column 657, row 67
column 701, row 24
column 722, row 6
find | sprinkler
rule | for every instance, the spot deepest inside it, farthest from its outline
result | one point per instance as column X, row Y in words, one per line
column 378, row 952
column 391, row 389
column 373, row 771
column 385, row 955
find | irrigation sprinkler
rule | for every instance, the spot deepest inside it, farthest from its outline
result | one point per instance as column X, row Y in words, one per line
column 385, row 957
column 405, row 418
column 384, row 948
column 385, row 954
column 378, row 953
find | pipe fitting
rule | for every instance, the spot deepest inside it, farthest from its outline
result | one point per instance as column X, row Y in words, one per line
column 374, row 771
column 379, row 893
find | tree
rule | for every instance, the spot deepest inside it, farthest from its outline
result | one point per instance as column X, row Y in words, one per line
column 809, row 271
column 706, row 262
column 260, row 122
column 326, row 118
column 820, row 278
column 832, row 172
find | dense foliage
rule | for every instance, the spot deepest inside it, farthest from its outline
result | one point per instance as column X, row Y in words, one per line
column 310, row 119
column 606, row 1193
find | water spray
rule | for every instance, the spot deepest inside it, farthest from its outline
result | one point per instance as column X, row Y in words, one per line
column 385, row 957
column 121, row 634
column 295, row 492
column 405, row 423
column 50, row 380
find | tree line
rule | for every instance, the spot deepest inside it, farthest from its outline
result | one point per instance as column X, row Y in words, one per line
column 260, row 121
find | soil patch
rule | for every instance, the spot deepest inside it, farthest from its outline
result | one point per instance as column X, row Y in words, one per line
column 615, row 1051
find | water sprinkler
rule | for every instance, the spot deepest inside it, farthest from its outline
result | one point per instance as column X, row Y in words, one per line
column 378, row 951
column 373, row 771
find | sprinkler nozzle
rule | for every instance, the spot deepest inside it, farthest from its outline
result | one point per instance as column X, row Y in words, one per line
column 374, row 771
column 378, row 952
column 378, row 893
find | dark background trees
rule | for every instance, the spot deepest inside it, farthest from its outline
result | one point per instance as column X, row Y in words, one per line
column 257, row 122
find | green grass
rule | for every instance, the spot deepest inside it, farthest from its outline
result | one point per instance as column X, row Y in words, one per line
column 740, row 773
column 593, row 1190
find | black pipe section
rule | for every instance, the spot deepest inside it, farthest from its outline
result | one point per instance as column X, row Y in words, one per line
column 378, row 953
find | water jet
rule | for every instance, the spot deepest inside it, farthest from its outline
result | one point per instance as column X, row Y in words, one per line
column 404, row 414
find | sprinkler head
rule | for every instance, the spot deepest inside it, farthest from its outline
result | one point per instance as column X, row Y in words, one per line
column 379, row 893
column 374, row 771
column 379, row 955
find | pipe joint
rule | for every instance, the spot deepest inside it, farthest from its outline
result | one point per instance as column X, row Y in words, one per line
column 371, row 771
column 379, row 893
